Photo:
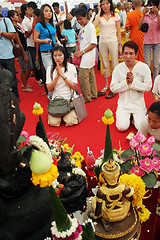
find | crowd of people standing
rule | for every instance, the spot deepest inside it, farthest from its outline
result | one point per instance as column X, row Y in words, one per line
column 77, row 35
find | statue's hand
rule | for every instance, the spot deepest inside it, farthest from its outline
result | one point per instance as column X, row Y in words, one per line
column 91, row 215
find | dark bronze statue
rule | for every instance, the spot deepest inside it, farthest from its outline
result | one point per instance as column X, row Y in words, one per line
column 25, row 211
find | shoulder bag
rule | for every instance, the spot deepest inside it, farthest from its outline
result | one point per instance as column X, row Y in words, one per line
column 59, row 107
column 78, row 103
column 17, row 50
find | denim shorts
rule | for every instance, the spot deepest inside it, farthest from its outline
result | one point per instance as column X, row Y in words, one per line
column 23, row 65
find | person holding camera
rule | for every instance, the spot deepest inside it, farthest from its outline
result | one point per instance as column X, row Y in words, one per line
column 152, row 35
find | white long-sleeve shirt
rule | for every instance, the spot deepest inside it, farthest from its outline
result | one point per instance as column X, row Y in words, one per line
column 131, row 96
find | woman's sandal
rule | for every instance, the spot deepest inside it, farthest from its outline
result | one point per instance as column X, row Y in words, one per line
column 104, row 89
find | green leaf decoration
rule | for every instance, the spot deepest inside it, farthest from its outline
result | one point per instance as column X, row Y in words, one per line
column 156, row 147
column 88, row 233
column 21, row 139
column 150, row 179
column 126, row 153
column 108, row 153
column 60, row 215
column 126, row 166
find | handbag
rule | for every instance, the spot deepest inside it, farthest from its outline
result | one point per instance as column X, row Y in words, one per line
column 75, row 60
column 17, row 50
column 144, row 27
column 78, row 103
column 59, row 107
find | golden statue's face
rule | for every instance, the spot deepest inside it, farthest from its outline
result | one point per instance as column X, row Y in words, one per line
column 111, row 171
column 112, row 178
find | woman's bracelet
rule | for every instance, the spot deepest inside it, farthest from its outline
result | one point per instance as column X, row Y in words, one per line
column 65, row 78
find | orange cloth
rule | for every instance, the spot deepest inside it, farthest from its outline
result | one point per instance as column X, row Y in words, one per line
column 132, row 22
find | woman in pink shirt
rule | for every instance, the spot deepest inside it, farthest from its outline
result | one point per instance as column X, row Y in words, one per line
column 152, row 36
column 110, row 38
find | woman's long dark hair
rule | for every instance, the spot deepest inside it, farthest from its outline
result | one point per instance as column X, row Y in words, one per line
column 42, row 16
column 61, row 49
column 111, row 8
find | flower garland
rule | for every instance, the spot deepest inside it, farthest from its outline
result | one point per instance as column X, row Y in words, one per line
column 139, row 192
column 76, row 159
column 107, row 121
column 41, row 145
column 37, row 109
column 47, row 178
column 73, row 233
column 79, row 171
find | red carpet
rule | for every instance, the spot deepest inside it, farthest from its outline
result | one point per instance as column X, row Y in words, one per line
column 89, row 133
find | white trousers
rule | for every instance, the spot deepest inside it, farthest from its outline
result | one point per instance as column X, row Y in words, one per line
column 123, row 118
column 105, row 49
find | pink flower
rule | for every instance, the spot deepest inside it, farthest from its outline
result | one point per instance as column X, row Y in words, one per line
column 156, row 163
column 139, row 137
column 137, row 171
column 26, row 135
column 133, row 143
column 145, row 149
column 151, row 140
column 146, row 164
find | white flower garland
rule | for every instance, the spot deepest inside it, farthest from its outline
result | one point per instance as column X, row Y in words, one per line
column 41, row 145
column 78, row 171
column 67, row 233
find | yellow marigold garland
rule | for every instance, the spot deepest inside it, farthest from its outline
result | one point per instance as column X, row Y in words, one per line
column 38, row 111
column 108, row 120
column 45, row 179
column 139, row 191
column 144, row 214
column 78, row 159
column 139, row 187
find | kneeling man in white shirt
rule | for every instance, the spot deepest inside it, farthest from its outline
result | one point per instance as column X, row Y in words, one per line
column 130, row 79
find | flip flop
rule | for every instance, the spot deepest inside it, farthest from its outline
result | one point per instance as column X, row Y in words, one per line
column 104, row 89
column 29, row 86
column 28, row 90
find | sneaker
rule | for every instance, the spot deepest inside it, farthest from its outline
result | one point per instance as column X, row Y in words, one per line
column 110, row 95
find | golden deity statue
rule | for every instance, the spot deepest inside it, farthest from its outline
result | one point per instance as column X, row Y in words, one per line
column 111, row 209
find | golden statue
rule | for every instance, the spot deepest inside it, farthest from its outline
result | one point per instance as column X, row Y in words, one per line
column 111, row 208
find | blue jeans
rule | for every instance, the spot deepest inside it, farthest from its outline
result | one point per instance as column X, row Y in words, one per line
column 156, row 57
column 47, row 59
column 9, row 65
